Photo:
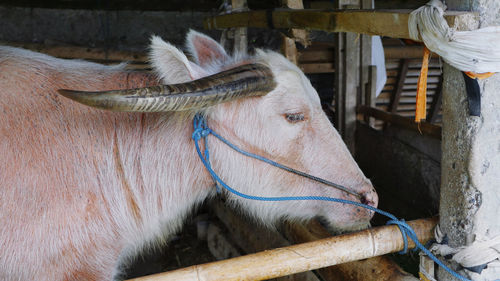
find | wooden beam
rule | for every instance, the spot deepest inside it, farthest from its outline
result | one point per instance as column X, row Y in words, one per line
column 72, row 52
column 396, row 95
column 303, row 257
column 424, row 127
column 403, row 52
column 320, row 67
column 391, row 23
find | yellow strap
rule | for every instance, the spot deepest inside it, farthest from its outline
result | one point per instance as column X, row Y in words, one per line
column 421, row 110
column 479, row 75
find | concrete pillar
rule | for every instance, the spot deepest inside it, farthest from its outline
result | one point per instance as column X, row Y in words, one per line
column 470, row 188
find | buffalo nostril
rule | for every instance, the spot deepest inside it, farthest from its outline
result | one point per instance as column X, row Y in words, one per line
column 368, row 199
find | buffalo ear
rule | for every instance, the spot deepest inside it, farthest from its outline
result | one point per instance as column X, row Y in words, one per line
column 171, row 64
column 204, row 49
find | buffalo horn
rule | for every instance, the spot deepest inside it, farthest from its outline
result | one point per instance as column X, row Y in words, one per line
column 241, row 81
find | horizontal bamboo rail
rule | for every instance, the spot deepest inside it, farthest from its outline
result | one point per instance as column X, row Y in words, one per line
column 302, row 257
column 391, row 23
column 396, row 119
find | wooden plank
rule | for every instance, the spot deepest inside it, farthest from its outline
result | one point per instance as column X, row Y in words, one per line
column 303, row 257
column 317, row 55
column 396, row 95
column 326, row 67
column 404, row 52
column 436, row 104
column 82, row 52
column 413, row 79
column 415, row 73
column 424, row 127
column 391, row 23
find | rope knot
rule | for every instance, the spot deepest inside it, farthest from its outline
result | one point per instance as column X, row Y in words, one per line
column 406, row 231
column 201, row 130
column 200, row 133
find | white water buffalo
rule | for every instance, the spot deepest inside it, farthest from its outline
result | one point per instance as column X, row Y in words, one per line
column 82, row 189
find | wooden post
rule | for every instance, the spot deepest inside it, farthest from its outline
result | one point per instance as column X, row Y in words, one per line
column 302, row 257
column 365, row 56
column 240, row 33
column 338, row 98
column 370, row 97
column 352, row 89
column 289, row 47
column 347, row 78
column 470, row 164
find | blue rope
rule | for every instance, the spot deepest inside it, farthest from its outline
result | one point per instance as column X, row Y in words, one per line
column 202, row 131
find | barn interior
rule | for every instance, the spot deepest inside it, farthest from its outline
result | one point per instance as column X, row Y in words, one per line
column 373, row 111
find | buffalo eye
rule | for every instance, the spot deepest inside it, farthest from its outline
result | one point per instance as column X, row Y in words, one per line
column 294, row 117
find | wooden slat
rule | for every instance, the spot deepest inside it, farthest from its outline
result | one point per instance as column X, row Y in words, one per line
column 370, row 93
column 424, row 127
column 404, row 52
column 415, row 73
column 391, row 23
column 325, row 67
column 318, row 55
column 396, row 95
column 82, row 52
column 435, row 105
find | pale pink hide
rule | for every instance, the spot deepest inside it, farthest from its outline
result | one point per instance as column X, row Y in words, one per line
column 82, row 189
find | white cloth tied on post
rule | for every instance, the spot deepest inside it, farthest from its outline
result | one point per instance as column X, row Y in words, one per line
column 482, row 251
column 477, row 50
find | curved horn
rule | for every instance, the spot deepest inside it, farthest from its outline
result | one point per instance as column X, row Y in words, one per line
column 242, row 81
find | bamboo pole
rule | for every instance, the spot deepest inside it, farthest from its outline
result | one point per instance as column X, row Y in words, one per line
column 391, row 23
column 302, row 257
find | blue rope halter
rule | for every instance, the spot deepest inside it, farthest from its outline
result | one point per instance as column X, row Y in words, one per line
column 201, row 131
